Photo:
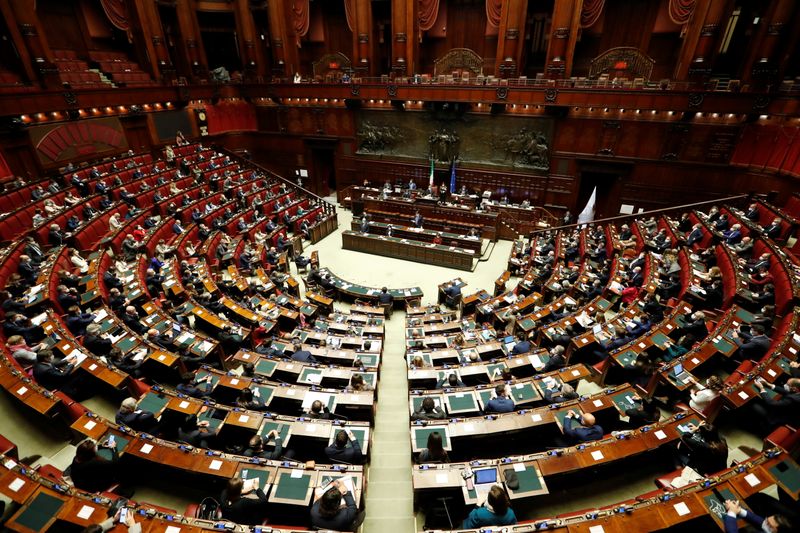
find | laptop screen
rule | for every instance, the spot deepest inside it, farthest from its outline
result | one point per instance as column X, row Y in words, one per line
column 677, row 370
column 509, row 339
column 486, row 475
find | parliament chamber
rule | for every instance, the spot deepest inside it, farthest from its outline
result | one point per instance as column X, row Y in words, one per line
column 366, row 265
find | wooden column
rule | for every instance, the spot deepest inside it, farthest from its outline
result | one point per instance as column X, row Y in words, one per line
column 284, row 48
column 15, row 31
column 146, row 26
column 510, row 36
column 34, row 40
column 762, row 63
column 563, row 36
column 362, row 38
column 701, row 39
column 192, row 45
column 247, row 40
column 400, row 38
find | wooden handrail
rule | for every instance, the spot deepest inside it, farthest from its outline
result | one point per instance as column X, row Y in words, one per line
column 654, row 212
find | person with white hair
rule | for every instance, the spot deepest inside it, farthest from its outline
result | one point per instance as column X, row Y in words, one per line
column 136, row 419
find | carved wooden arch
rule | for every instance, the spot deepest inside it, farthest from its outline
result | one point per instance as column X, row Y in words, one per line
column 458, row 59
column 627, row 59
column 336, row 63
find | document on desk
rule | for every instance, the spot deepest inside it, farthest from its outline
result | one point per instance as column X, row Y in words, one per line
column 85, row 512
column 79, row 356
column 140, row 354
column 100, row 315
column 682, row 509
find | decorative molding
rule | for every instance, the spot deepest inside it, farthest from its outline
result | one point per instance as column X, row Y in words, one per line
column 392, row 90
column 501, row 93
column 709, row 30
column 550, row 94
column 28, row 30
column 561, row 33
column 512, row 34
column 696, row 99
column 355, row 90
column 400, row 37
column 761, row 101
column 363, row 38
column 70, row 98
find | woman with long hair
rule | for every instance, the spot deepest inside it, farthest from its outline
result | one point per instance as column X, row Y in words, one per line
column 495, row 512
column 435, row 452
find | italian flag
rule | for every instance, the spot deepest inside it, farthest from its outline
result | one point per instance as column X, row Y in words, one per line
column 430, row 177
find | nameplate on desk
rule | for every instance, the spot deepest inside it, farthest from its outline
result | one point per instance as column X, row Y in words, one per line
column 216, row 464
column 642, row 345
column 297, row 473
column 597, row 455
column 576, row 372
column 17, row 484
column 596, row 529
column 234, row 381
column 469, row 427
column 584, row 341
column 289, row 367
column 660, row 435
column 311, row 428
column 682, row 509
column 772, row 373
column 536, row 417
column 669, row 326
column 598, row 403
column 85, row 512
column 743, row 395
column 90, row 424
column 243, row 418
column 752, row 480
column 290, row 392
column 161, row 357
column 146, row 448
column 22, row 390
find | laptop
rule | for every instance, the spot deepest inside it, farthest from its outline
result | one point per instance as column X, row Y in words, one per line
column 679, row 374
column 485, row 478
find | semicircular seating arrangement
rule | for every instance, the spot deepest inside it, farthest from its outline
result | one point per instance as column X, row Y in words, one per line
column 621, row 342
column 170, row 284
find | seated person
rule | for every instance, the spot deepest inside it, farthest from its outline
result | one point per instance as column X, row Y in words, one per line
column 255, row 447
column 501, row 403
column 319, row 411
column 328, row 513
column 495, row 512
column 703, row 449
column 242, row 510
column 357, row 384
column 772, row 524
column 300, row 354
column 338, row 451
column 643, row 412
column 703, row 394
column 587, row 429
column 195, row 432
column 560, row 393
column 190, row 387
column 428, row 410
column 434, row 452
column 773, row 411
column 523, row 345
column 137, row 419
column 91, row 472
column 450, row 380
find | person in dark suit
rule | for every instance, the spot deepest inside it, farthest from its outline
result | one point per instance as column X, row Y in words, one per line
column 449, row 380
column 695, row 236
column 95, row 342
column 242, row 510
column 384, row 297
column 255, row 447
column 131, row 319
column 417, row 220
column 753, row 213
column 452, row 291
column 523, row 345
column 304, row 356
column 557, row 359
column 586, row 430
column 328, row 513
column 77, row 321
column 428, row 410
column 137, row 419
column 91, row 472
column 27, row 270
column 52, row 375
column 501, row 403
column 338, row 451
column 772, row 524
column 773, row 231
column 190, row 387
column 33, row 251
column 752, row 346
column 776, row 411
column 318, row 411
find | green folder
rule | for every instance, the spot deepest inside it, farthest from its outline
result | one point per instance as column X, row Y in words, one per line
column 282, row 429
column 121, row 443
column 256, row 473
column 40, row 511
column 529, row 479
column 420, row 435
column 788, row 473
column 461, row 401
column 153, row 402
column 291, row 488
column 265, row 367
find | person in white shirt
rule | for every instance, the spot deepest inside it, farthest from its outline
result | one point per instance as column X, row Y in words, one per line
column 78, row 262
column 703, row 394
column 114, row 223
